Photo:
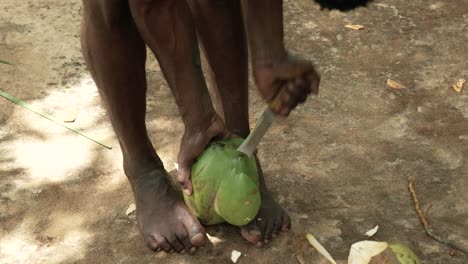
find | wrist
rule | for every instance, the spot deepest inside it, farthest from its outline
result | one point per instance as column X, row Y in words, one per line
column 268, row 60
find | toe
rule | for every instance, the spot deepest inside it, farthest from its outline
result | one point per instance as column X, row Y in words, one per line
column 278, row 226
column 159, row 242
column 198, row 238
column 269, row 227
column 196, row 232
column 252, row 233
column 152, row 243
column 193, row 250
column 286, row 225
column 185, row 240
column 175, row 243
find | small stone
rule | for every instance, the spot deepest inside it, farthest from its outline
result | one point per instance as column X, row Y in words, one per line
column 235, row 255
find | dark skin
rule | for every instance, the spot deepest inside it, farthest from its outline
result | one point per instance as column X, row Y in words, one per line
column 114, row 36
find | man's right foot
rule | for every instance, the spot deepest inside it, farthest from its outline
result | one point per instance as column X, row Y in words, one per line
column 163, row 218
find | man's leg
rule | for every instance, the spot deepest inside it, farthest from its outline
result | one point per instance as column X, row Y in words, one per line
column 167, row 28
column 115, row 55
column 221, row 30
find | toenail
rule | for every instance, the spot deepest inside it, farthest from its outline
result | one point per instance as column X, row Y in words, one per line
column 182, row 252
column 193, row 249
column 259, row 244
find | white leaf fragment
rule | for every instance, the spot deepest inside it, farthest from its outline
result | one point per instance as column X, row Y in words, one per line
column 213, row 239
column 372, row 232
column 361, row 252
column 235, row 255
column 131, row 208
column 314, row 242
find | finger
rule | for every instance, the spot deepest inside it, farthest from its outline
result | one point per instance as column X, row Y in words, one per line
column 288, row 101
column 188, row 188
column 227, row 134
column 299, row 89
column 183, row 177
column 313, row 79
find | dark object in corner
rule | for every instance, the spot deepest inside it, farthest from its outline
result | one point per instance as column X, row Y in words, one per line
column 342, row 5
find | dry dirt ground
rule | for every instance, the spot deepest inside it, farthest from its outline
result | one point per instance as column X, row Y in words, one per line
column 339, row 164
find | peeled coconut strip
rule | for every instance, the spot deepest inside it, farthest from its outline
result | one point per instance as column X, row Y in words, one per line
column 361, row 252
column 314, row 242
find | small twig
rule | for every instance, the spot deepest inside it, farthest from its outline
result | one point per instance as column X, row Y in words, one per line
column 425, row 223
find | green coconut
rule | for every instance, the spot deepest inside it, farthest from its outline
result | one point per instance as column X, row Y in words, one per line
column 225, row 185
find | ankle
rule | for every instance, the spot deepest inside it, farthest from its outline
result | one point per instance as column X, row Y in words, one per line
column 135, row 168
column 211, row 122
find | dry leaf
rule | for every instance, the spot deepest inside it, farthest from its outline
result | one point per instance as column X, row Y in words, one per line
column 68, row 114
column 130, row 209
column 372, row 232
column 361, row 252
column 458, row 87
column 395, row 85
column 235, row 255
column 314, row 242
column 355, row 27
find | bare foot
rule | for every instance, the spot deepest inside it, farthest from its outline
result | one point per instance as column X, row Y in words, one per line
column 271, row 219
column 163, row 218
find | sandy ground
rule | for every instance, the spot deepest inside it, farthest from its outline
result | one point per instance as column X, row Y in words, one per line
column 339, row 164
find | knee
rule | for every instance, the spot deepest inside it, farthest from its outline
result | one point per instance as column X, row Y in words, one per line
column 109, row 14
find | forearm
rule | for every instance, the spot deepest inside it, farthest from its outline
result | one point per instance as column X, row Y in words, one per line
column 264, row 26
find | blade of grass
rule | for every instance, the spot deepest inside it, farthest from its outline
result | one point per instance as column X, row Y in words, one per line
column 5, row 62
column 48, row 116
